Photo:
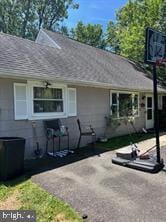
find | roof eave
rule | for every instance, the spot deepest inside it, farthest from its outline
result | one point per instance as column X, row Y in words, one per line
column 32, row 76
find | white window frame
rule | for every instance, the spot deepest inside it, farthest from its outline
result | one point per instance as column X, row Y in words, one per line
column 49, row 115
column 123, row 92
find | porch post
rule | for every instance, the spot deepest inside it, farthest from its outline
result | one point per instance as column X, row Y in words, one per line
column 156, row 119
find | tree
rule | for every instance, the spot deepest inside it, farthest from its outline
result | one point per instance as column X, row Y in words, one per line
column 64, row 30
column 89, row 34
column 72, row 33
column 129, row 30
column 25, row 17
column 112, row 37
column 132, row 20
column 162, row 17
column 28, row 16
column 52, row 11
column 9, row 16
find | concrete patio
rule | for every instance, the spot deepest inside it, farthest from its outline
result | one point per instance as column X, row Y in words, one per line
column 107, row 192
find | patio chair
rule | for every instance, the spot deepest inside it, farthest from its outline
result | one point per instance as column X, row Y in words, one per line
column 54, row 129
column 89, row 131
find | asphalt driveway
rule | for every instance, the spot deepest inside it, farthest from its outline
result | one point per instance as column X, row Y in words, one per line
column 107, row 192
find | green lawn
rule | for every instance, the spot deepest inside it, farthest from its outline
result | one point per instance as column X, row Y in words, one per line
column 121, row 141
column 27, row 195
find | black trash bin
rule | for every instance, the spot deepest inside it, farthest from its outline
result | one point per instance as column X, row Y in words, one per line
column 11, row 157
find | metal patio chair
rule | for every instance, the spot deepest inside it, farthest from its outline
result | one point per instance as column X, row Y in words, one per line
column 88, row 131
column 54, row 130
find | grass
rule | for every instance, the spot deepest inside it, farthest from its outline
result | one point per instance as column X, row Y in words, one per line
column 121, row 141
column 28, row 196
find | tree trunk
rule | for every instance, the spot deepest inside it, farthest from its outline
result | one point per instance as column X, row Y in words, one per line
column 41, row 14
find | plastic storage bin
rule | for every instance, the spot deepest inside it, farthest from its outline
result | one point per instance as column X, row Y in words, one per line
column 11, row 157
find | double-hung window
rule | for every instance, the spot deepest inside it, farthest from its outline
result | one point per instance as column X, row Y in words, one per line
column 124, row 104
column 48, row 100
column 33, row 100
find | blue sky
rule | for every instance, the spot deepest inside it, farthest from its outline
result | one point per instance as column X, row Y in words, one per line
column 94, row 11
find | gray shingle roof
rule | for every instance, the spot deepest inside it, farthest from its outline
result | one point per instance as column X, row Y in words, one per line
column 74, row 62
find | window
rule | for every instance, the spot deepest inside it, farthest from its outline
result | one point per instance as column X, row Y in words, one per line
column 124, row 104
column 34, row 101
column 47, row 100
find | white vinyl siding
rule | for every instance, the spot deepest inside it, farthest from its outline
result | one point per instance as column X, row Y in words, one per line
column 20, row 101
column 72, row 103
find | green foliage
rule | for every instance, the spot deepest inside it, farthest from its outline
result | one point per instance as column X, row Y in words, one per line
column 10, row 19
column 25, row 17
column 162, row 17
column 128, row 34
column 133, row 19
column 112, row 37
column 52, row 12
column 89, row 34
column 64, row 30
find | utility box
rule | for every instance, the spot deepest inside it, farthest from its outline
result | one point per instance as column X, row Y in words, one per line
column 11, row 157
